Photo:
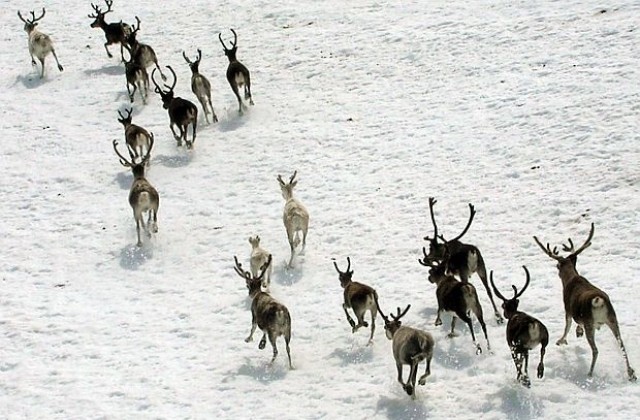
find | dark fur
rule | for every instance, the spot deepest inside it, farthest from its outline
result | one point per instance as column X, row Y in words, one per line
column 237, row 68
column 114, row 32
column 359, row 297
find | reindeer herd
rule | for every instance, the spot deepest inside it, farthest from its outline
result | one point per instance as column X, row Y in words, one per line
column 451, row 262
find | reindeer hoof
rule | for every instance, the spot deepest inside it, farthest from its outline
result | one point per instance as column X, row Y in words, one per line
column 499, row 319
column 632, row 375
column 262, row 344
column 422, row 381
column 561, row 342
column 579, row 331
column 438, row 322
column 408, row 389
column 248, row 339
column 365, row 324
column 60, row 68
column 478, row 350
column 526, row 382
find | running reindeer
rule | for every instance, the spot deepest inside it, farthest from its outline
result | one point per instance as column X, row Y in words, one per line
column 143, row 197
column 200, row 86
column 137, row 78
column 524, row 332
column 114, row 32
column 40, row 45
column 295, row 215
column 269, row 315
column 455, row 296
column 259, row 257
column 137, row 138
column 182, row 112
column 141, row 53
column 464, row 259
column 237, row 74
column 359, row 297
column 589, row 306
column 410, row 347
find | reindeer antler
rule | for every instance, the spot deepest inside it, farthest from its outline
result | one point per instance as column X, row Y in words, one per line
column 33, row 19
column 238, row 268
column 472, row 213
column 123, row 160
column 584, row 246
column 432, row 202
column 400, row 314
column 235, row 38
column 348, row 266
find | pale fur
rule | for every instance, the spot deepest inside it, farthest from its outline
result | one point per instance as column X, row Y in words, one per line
column 295, row 217
column 259, row 257
column 40, row 45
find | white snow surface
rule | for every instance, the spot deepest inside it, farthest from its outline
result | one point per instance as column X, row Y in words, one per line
column 527, row 109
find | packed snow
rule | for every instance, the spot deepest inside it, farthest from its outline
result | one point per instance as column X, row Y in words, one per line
column 527, row 110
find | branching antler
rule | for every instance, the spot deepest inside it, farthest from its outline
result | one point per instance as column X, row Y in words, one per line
column 123, row 160
column 432, row 202
column 348, row 267
column 246, row 274
column 128, row 111
column 400, row 314
column 33, row 19
column 472, row 214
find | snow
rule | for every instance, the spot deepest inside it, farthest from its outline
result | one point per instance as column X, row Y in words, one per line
column 528, row 110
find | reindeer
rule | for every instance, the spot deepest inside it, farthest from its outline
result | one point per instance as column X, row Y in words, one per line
column 359, row 297
column 137, row 76
column 143, row 197
column 181, row 111
column 40, row 44
column 259, row 257
column 410, row 347
column 237, row 74
column 464, row 259
column 201, row 86
column 114, row 32
column 137, row 138
column 524, row 332
column 455, row 296
column 271, row 316
column 141, row 53
column 295, row 216
column 589, row 306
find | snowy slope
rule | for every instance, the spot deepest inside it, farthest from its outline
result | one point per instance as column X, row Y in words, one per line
column 528, row 110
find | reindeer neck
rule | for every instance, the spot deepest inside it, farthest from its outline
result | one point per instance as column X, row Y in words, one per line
column 567, row 273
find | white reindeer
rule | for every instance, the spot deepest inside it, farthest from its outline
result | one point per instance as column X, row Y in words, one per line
column 40, row 44
column 295, row 216
column 259, row 257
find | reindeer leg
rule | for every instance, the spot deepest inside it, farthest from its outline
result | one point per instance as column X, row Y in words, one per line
column 272, row 340
column 109, row 53
column 287, row 338
column 131, row 93
column 247, row 89
column 467, row 319
column 138, row 218
column 33, row 60
column 526, row 381
column 399, row 368
column 567, row 327
column 613, row 325
column 541, row 364
column 482, row 273
column 42, row 65
column 56, row 57
column 292, row 246
column 235, row 91
column 254, row 324
column 427, row 372
column 517, row 362
column 155, row 220
column 213, row 113
column 164, row 78
column 411, row 382
column 373, row 326
column 353, row 324
column 175, row 136
column 194, row 126
column 263, row 341
column 478, row 313
column 438, row 319
column 590, row 333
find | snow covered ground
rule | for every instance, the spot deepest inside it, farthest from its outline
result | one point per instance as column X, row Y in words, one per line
column 526, row 109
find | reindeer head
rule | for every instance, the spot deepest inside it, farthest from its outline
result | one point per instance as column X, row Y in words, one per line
column 167, row 96
column 125, row 121
column 254, row 241
column 254, row 284
column 131, row 37
column 30, row 24
column 436, row 249
column 136, row 168
column 510, row 306
column 193, row 65
column 437, row 267
column 344, row 276
column 287, row 188
column 566, row 264
column 390, row 327
column 230, row 52
column 99, row 16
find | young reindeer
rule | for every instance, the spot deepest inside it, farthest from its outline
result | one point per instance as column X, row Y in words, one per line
column 137, row 138
column 589, row 306
column 295, row 215
column 182, row 112
column 141, row 53
column 524, row 332
column 269, row 315
column 143, row 197
column 114, row 32
column 200, row 86
column 359, row 297
column 464, row 259
column 455, row 296
column 410, row 347
column 237, row 74
column 40, row 44
column 259, row 257
column 137, row 76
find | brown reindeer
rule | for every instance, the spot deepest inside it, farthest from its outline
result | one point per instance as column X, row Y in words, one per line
column 114, row 32
column 200, row 86
column 237, row 74
column 587, row 305
column 464, row 259
column 137, row 138
column 524, row 332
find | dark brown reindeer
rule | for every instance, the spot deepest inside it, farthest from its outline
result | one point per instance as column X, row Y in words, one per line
column 269, row 315
column 455, row 296
column 40, row 45
column 137, row 78
column 464, row 259
column 587, row 305
column 181, row 111
column 141, row 53
column 410, row 347
column 359, row 297
column 137, row 138
column 237, row 74
column 143, row 197
column 524, row 332
column 201, row 87
column 114, row 32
